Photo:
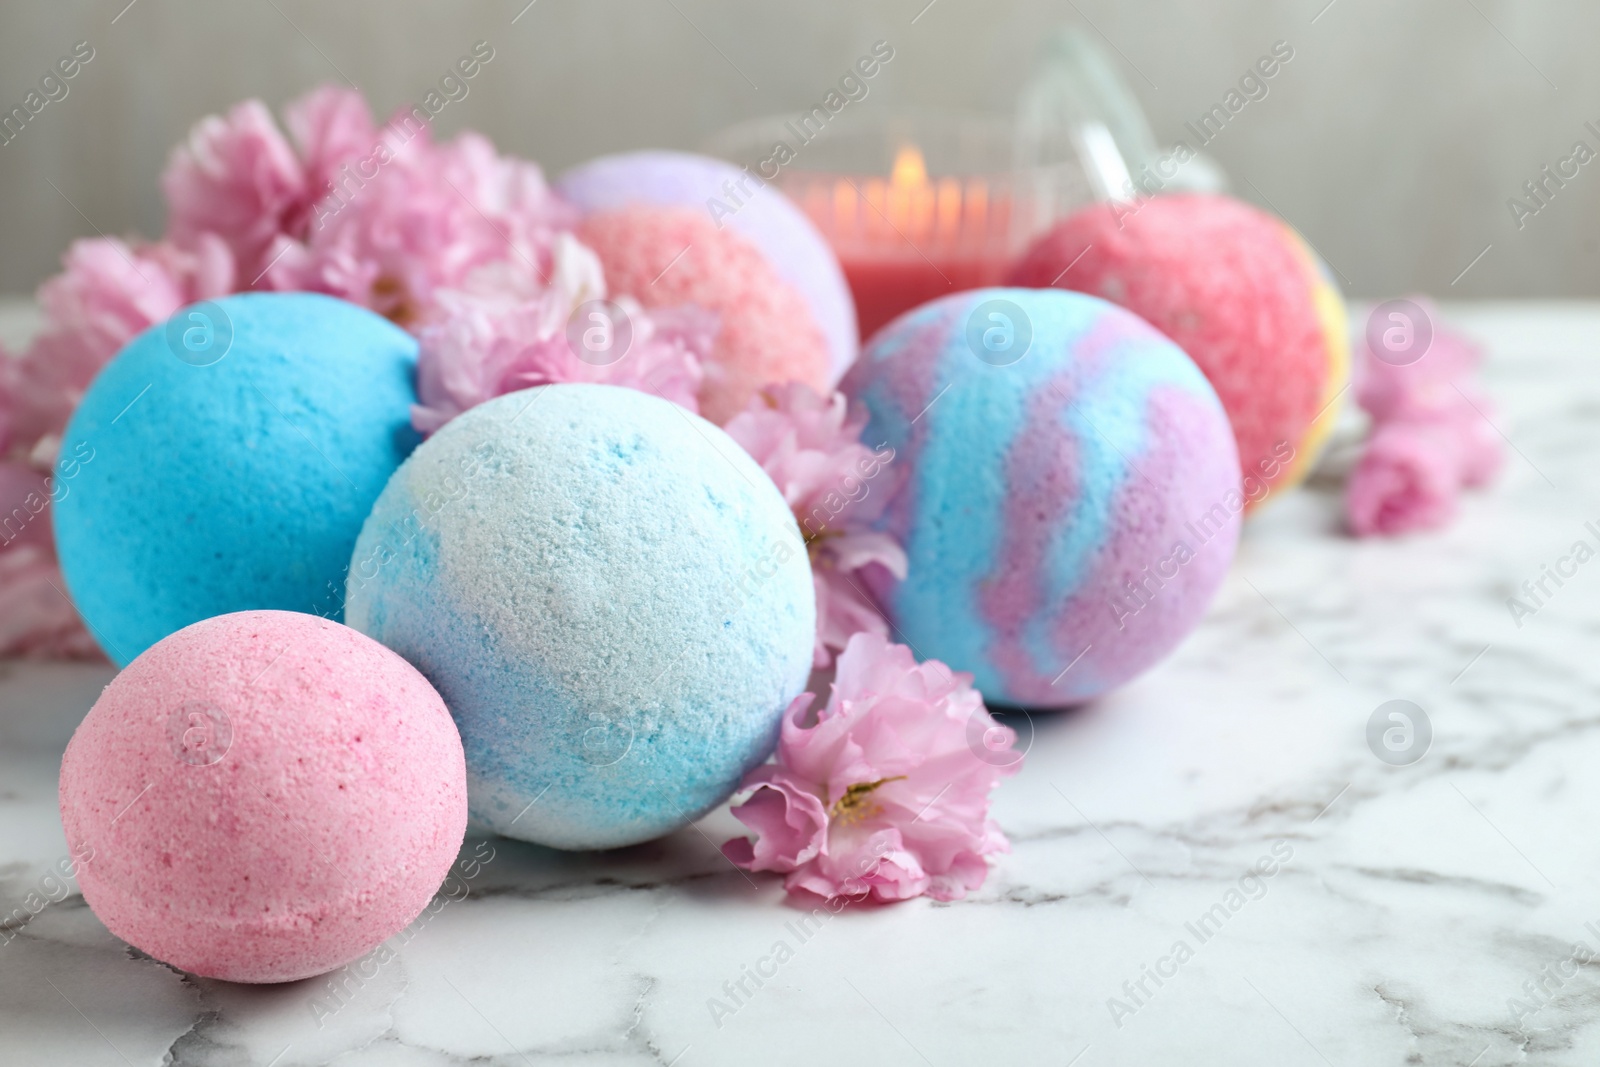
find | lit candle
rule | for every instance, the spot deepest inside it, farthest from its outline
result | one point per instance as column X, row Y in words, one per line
column 962, row 196
column 908, row 239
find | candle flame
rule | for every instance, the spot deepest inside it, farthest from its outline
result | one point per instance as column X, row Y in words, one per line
column 909, row 213
column 909, row 169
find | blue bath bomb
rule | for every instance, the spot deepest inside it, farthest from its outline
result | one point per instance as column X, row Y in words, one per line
column 233, row 454
column 611, row 596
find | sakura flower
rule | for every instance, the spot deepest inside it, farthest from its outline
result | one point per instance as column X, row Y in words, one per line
column 381, row 216
column 811, row 446
column 1424, row 387
column 238, row 178
column 109, row 291
column 36, row 618
column 1432, row 437
column 332, row 127
column 1407, row 479
column 418, row 219
column 1481, row 449
column 490, row 340
column 24, row 500
column 886, row 794
column 8, row 398
column 450, row 235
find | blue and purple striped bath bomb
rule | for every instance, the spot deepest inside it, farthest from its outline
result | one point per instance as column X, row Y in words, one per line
column 612, row 597
column 1073, row 491
column 233, row 454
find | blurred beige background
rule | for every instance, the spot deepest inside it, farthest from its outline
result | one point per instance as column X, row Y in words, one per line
column 1393, row 140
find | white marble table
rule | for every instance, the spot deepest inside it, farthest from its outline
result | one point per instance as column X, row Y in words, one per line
column 1408, row 904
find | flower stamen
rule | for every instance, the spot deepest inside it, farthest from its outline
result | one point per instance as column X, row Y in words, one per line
column 851, row 807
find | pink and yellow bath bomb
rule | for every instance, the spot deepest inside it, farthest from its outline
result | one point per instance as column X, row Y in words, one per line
column 666, row 256
column 1240, row 292
column 263, row 797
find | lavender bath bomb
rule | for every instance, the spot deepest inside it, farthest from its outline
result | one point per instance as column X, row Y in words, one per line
column 611, row 596
column 738, row 201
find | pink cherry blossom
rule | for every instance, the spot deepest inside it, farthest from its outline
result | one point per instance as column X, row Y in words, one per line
column 811, row 446
column 238, row 178
column 886, row 793
column 468, row 248
column 381, row 216
column 332, row 128
column 36, row 618
column 1432, row 437
column 9, row 365
column 24, row 510
column 1482, row 451
column 1407, row 479
column 418, row 219
column 109, row 291
column 493, row 341
column 1427, row 386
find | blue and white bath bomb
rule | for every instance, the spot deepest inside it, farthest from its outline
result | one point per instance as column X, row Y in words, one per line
column 234, row 452
column 613, row 599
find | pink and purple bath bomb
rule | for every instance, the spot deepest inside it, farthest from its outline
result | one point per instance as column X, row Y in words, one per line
column 673, row 228
column 1071, row 498
column 1240, row 292
column 263, row 797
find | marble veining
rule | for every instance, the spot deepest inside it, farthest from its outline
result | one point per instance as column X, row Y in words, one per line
column 1441, row 913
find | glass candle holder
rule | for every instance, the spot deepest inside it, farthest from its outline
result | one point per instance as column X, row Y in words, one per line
column 916, row 204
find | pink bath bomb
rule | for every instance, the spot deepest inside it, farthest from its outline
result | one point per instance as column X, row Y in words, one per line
column 1240, row 292
column 665, row 256
column 263, row 797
